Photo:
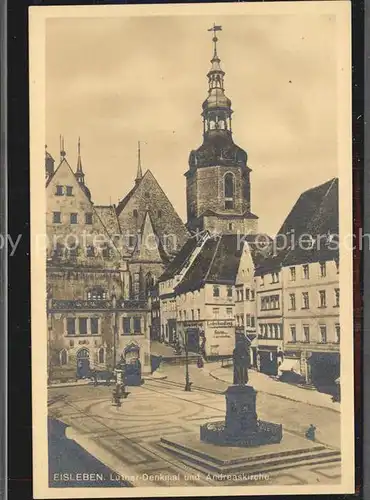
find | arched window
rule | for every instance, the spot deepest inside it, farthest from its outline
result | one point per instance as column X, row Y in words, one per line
column 229, row 190
column 63, row 356
column 101, row 355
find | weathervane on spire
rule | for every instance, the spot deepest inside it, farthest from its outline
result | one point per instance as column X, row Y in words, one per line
column 215, row 39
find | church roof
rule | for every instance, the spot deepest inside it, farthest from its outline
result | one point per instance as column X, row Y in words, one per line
column 149, row 247
column 316, row 214
column 179, row 260
column 148, row 196
column 108, row 216
column 217, row 262
column 218, row 148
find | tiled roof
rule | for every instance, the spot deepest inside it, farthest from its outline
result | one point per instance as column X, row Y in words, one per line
column 179, row 260
column 108, row 216
column 316, row 214
column 217, row 262
column 121, row 205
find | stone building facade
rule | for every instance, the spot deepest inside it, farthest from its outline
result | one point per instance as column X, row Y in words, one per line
column 94, row 317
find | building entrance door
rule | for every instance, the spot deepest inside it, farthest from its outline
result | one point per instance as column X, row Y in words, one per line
column 83, row 363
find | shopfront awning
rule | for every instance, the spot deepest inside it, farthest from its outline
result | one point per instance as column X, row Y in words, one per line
column 290, row 365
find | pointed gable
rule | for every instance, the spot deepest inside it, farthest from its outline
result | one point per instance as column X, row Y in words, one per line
column 148, row 247
column 148, row 196
column 79, row 221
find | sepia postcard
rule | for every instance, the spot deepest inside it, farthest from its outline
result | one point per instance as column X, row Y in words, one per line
column 191, row 219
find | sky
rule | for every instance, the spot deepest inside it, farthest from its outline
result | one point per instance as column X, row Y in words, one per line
column 115, row 81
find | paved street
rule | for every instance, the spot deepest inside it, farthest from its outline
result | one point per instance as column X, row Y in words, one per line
column 126, row 439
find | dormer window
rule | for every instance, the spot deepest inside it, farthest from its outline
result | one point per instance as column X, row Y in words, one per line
column 134, row 213
column 88, row 218
column 69, row 190
column 59, row 190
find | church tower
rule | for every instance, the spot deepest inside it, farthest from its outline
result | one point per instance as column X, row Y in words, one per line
column 218, row 180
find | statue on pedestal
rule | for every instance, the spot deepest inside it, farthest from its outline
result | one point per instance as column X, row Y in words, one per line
column 241, row 359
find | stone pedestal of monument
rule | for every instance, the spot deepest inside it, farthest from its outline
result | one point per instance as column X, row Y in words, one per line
column 241, row 426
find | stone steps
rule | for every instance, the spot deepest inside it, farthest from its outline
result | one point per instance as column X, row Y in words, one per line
column 266, row 462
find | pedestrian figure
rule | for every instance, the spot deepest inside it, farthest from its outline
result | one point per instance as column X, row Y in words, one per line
column 200, row 363
column 310, row 433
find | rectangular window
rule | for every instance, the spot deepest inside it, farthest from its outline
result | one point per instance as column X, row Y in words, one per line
column 126, row 324
column 237, row 295
column 323, row 269
column 192, row 314
column 57, row 217
column 229, row 291
column 293, row 333
column 322, row 298
column 247, row 294
column 276, row 301
column 252, row 294
column 137, row 325
column 306, row 333
column 292, row 274
column 216, row 312
column 216, row 291
column 241, row 295
column 229, row 312
column 263, row 303
column 306, row 272
column 248, row 320
column 292, row 301
column 305, row 300
column 59, row 190
column 253, row 322
column 71, row 326
column 82, row 324
column 73, row 218
column 323, row 336
column 69, row 190
column 88, row 218
column 94, row 325
column 337, row 296
column 275, row 277
column 337, row 333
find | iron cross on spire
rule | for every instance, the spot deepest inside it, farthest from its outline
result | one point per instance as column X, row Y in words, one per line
column 215, row 39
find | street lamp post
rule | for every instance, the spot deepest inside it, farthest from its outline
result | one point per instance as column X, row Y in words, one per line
column 187, row 379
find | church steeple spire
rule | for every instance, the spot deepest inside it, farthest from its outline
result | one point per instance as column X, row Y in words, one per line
column 139, row 173
column 218, row 147
column 80, row 176
column 217, row 107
